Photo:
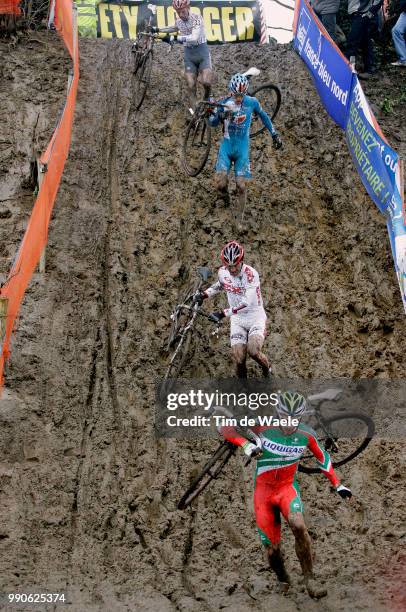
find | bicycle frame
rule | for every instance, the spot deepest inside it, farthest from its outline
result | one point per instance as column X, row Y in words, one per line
column 187, row 328
column 196, row 311
column 184, row 332
column 317, row 413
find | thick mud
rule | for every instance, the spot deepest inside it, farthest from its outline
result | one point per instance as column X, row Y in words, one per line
column 88, row 495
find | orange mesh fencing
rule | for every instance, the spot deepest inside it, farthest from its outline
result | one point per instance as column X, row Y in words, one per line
column 10, row 7
column 53, row 161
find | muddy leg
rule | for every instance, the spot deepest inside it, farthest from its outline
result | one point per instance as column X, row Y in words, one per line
column 254, row 350
column 239, row 352
column 191, row 85
column 221, row 182
column 303, row 548
column 241, row 196
column 206, row 80
column 277, row 564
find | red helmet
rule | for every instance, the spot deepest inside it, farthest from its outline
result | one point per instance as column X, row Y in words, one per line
column 232, row 254
column 180, row 4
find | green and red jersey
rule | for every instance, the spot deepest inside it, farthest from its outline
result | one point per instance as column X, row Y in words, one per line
column 282, row 453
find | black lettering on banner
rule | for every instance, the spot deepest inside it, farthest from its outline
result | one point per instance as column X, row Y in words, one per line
column 117, row 20
column 225, row 21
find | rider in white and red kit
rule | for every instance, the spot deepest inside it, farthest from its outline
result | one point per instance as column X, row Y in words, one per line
column 246, row 311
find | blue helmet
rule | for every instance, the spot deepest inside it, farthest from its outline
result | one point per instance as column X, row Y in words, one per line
column 238, row 84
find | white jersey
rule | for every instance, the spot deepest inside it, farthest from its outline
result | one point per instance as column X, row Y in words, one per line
column 243, row 292
column 192, row 29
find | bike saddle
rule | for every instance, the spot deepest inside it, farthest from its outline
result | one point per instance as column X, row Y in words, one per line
column 204, row 273
column 251, row 72
column 329, row 394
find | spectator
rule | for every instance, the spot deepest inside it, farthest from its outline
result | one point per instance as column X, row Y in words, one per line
column 362, row 13
column 398, row 35
column 326, row 11
column 341, row 38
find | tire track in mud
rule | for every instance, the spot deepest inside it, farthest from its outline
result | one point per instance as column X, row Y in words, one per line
column 93, row 393
column 86, row 432
column 186, row 557
column 102, row 362
column 112, row 193
column 163, row 447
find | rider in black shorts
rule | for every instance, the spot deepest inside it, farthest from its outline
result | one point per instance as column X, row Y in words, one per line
column 191, row 34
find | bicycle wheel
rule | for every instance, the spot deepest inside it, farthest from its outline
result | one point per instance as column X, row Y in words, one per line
column 196, row 145
column 137, row 61
column 209, row 472
column 182, row 351
column 143, row 76
column 269, row 97
column 350, row 434
column 183, row 316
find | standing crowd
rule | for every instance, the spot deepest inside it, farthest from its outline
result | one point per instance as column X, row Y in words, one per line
column 366, row 19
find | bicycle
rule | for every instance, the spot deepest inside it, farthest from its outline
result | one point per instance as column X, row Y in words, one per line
column 218, row 461
column 197, row 141
column 143, row 48
column 183, row 319
column 333, row 432
column 341, row 449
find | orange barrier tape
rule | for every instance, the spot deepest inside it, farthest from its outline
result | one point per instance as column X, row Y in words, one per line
column 53, row 160
column 10, row 7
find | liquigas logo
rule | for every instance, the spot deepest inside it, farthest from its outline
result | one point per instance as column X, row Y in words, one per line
column 282, row 449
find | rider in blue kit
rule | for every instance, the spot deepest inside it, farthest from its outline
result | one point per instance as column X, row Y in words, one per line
column 235, row 145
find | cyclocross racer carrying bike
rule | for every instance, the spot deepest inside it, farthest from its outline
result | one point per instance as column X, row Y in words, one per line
column 246, row 311
column 235, row 145
column 276, row 487
column 197, row 55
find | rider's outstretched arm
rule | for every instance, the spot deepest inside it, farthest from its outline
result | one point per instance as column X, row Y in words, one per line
column 266, row 120
column 217, row 115
column 232, row 435
column 323, row 459
column 169, row 29
column 213, row 289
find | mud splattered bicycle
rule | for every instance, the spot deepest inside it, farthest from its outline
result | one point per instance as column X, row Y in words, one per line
column 184, row 315
column 197, row 141
column 143, row 49
column 344, row 435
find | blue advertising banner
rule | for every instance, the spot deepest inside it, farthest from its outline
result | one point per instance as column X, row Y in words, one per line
column 379, row 168
column 377, row 163
column 398, row 244
column 331, row 72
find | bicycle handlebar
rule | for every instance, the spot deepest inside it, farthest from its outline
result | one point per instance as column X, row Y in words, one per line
column 245, row 432
column 197, row 310
column 157, row 37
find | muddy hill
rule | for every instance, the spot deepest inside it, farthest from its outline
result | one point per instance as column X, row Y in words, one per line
column 88, row 495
